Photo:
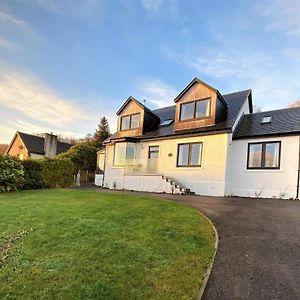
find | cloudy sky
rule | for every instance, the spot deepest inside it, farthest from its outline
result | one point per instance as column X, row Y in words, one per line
column 63, row 64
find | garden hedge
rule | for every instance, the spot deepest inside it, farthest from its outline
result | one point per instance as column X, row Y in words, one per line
column 58, row 172
column 11, row 173
column 33, row 174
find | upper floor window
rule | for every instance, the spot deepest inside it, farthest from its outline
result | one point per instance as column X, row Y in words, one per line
column 130, row 122
column 264, row 155
column 189, row 155
column 195, row 110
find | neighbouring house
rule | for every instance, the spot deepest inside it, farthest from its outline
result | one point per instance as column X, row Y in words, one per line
column 27, row 146
column 207, row 143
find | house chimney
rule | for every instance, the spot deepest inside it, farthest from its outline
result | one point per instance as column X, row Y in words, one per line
column 50, row 144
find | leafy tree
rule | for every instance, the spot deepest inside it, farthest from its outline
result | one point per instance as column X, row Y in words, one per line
column 11, row 173
column 102, row 132
column 83, row 156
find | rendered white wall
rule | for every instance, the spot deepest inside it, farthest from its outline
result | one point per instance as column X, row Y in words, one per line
column 209, row 179
column 264, row 183
column 230, row 159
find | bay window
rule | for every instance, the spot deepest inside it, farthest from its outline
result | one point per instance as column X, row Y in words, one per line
column 124, row 153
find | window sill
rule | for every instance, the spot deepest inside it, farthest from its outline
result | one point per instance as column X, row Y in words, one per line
column 263, row 170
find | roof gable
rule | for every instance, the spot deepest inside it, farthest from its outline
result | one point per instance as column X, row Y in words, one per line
column 142, row 106
column 197, row 80
column 12, row 142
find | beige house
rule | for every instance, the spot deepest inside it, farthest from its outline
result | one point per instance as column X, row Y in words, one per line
column 207, row 143
column 26, row 146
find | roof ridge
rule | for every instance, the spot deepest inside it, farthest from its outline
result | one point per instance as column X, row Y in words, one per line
column 247, row 90
column 163, row 107
column 42, row 137
column 273, row 110
column 30, row 134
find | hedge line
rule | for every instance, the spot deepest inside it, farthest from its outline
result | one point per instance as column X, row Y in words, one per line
column 34, row 174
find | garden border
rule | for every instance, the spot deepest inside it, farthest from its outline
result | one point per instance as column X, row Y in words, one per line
column 210, row 266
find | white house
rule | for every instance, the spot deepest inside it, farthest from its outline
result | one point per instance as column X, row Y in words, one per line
column 207, row 144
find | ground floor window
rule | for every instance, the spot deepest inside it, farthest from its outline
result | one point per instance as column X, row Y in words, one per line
column 153, row 152
column 265, row 155
column 124, row 154
column 189, row 155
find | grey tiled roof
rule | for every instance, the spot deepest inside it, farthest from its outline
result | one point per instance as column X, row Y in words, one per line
column 35, row 144
column 234, row 101
column 284, row 121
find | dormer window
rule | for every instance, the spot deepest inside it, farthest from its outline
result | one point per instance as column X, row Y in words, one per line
column 197, row 109
column 130, row 122
column 266, row 119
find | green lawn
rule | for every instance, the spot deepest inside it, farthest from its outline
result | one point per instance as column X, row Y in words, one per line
column 64, row 244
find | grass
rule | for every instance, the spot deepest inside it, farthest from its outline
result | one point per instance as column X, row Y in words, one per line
column 63, row 244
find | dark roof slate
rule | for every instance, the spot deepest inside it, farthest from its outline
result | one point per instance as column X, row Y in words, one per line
column 234, row 101
column 284, row 121
column 35, row 144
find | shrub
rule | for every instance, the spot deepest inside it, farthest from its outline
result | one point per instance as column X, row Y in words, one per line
column 11, row 173
column 58, row 172
column 33, row 174
column 83, row 156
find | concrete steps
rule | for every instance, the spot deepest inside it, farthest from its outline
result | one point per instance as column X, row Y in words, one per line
column 176, row 188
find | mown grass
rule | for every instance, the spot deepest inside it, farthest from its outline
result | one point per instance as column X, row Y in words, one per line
column 67, row 244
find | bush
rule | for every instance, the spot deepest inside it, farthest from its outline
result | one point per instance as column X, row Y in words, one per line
column 83, row 156
column 58, row 172
column 11, row 173
column 33, row 174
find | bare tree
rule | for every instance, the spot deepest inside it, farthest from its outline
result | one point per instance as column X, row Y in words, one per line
column 295, row 104
column 257, row 108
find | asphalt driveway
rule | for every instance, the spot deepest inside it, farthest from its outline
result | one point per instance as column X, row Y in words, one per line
column 259, row 248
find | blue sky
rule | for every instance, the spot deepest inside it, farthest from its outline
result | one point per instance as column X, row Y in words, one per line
column 63, row 64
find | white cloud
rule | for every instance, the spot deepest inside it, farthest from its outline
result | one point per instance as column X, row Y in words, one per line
column 8, row 20
column 155, row 92
column 240, row 69
column 29, row 104
column 183, row 31
column 4, row 43
column 152, row 5
column 16, row 33
column 80, row 8
column 30, row 96
column 283, row 15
